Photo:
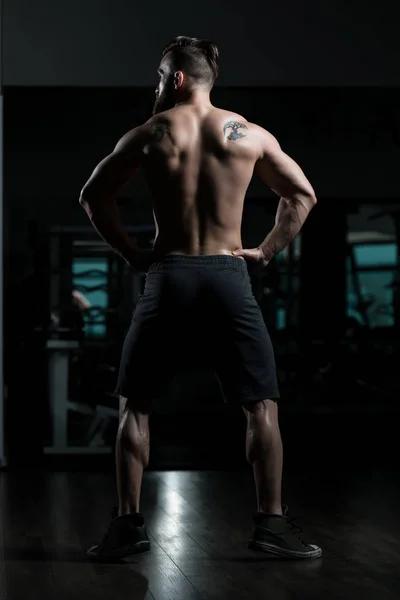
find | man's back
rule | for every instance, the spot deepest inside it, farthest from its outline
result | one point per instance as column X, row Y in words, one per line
column 198, row 162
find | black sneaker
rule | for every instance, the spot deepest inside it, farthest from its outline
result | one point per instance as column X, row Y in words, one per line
column 126, row 535
column 278, row 535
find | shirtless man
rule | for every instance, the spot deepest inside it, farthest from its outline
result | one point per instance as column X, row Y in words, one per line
column 198, row 161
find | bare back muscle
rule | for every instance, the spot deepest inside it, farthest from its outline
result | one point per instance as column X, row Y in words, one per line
column 198, row 161
column 198, row 164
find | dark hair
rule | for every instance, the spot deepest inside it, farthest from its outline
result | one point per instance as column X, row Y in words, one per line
column 199, row 59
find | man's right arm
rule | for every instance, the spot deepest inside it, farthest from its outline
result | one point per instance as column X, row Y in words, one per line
column 284, row 177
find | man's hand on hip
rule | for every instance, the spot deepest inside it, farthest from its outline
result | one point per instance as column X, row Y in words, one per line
column 255, row 259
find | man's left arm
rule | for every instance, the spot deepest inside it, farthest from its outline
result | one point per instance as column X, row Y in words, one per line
column 98, row 196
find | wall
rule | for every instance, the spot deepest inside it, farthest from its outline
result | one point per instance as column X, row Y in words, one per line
column 2, row 443
column 279, row 43
column 2, row 449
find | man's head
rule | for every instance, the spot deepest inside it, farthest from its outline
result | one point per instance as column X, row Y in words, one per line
column 187, row 64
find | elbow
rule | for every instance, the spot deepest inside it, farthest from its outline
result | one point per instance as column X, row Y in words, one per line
column 85, row 203
column 82, row 198
column 312, row 200
column 308, row 200
column 305, row 199
column 90, row 197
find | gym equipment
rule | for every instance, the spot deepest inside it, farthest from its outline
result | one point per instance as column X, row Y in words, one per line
column 358, row 243
column 394, row 212
column 71, row 334
column 59, row 357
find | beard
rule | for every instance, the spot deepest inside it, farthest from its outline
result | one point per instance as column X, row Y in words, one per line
column 166, row 100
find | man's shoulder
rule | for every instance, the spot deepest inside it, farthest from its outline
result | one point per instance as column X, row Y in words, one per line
column 228, row 115
column 166, row 116
column 159, row 125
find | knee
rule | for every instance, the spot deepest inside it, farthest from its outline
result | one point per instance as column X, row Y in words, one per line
column 133, row 425
column 252, row 409
column 135, row 405
column 133, row 432
column 264, row 411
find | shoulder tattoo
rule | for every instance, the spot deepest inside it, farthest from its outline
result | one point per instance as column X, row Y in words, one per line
column 231, row 130
column 159, row 130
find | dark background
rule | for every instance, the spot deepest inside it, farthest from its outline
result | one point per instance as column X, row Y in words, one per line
column 288, row 43
column 323, row 80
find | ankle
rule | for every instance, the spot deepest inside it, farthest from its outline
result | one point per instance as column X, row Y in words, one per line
column 125, row 509
column 270, row 510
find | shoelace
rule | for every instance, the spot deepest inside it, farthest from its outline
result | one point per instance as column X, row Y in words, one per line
column 294, row 527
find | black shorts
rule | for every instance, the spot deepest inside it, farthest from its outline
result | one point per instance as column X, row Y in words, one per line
column 198, row 304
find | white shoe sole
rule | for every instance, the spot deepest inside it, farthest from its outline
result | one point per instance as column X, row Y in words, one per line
column 316, row 552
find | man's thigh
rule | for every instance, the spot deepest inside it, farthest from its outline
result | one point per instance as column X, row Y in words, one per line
column 155, row 343
column 243, row 354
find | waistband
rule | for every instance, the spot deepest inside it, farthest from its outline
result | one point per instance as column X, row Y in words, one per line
column 194, row 262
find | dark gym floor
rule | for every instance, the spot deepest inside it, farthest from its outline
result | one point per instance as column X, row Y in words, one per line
column 199, row 522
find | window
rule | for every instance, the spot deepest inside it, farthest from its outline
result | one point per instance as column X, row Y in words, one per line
column 370, row 275
column 375, row 255
column 90, row 277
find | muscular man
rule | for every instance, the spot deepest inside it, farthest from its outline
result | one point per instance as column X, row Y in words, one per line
column 198, row 161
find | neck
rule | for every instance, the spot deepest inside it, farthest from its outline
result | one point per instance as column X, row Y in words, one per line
column 196, row 97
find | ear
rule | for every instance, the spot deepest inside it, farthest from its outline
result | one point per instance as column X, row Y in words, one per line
column 179, row 79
